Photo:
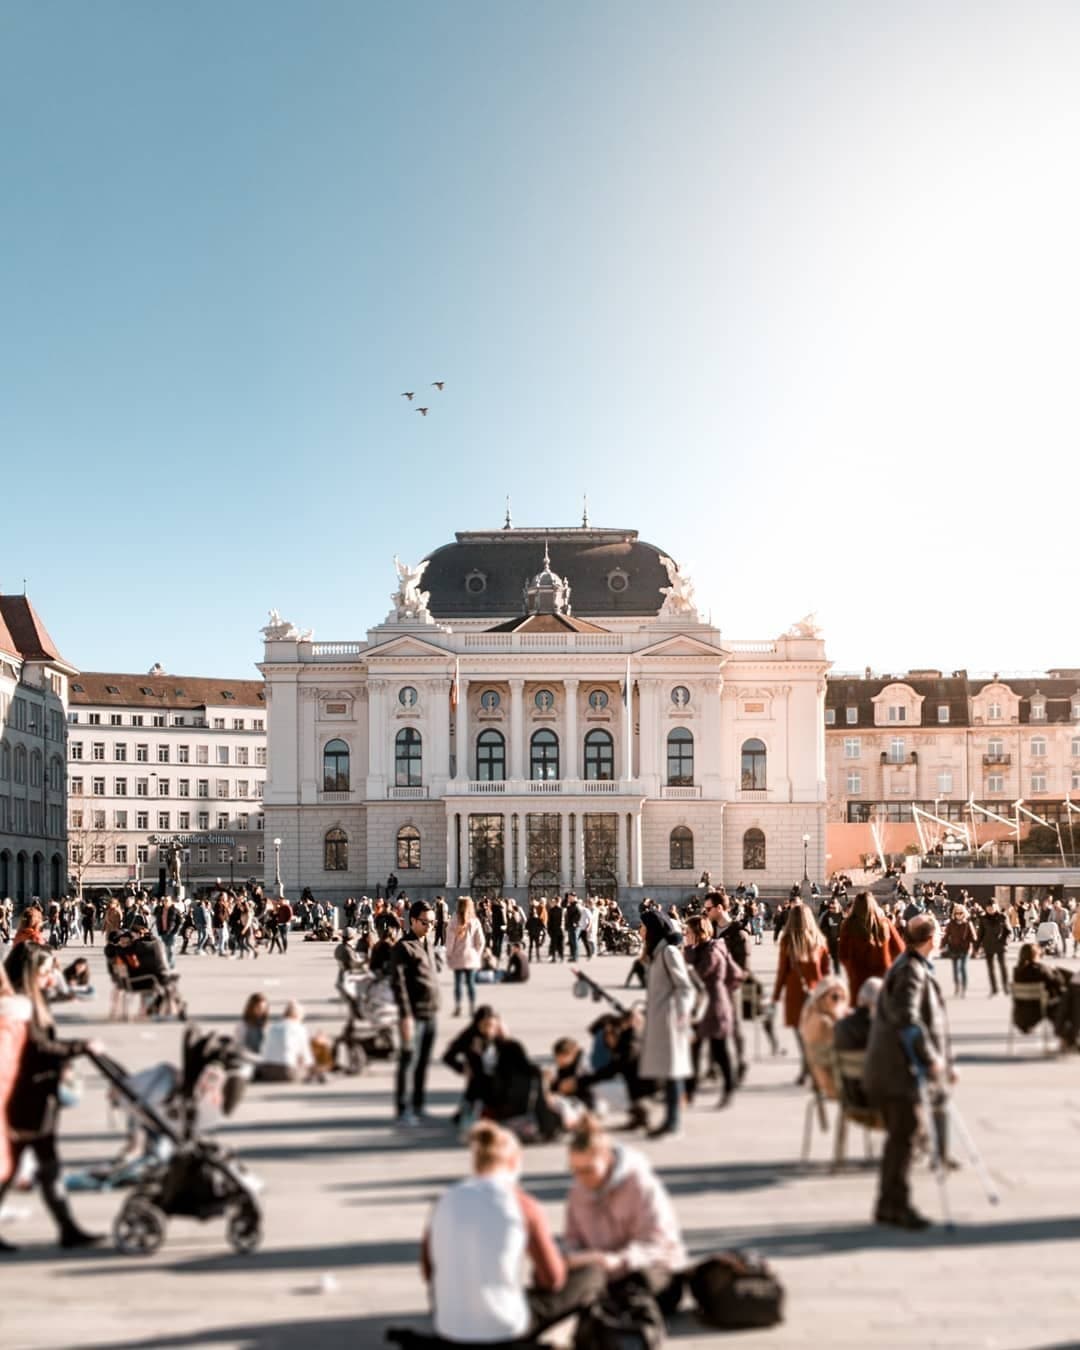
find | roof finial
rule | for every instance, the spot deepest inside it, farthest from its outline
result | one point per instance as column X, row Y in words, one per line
column 547, row 560
column 508, row 524
column 24, row 585
column 585, row 512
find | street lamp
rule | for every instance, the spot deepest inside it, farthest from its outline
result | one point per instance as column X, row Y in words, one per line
column 277, row 869
column 805, row 864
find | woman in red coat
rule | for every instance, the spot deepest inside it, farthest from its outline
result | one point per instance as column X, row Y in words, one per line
column 868, row 943
column 804, row 959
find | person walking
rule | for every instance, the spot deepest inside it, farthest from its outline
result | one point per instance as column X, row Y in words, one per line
column 465, row 952
column 992, row 939
column 555, row 930
column 534, row 927
column 957, row 942
column 711, row 961
column 868, row 943
column 669, row 1004
column 33, row 1107
column 88, row 914
column 572, row 923
column 804, row 959
column 413, row 978
column 908, row 1043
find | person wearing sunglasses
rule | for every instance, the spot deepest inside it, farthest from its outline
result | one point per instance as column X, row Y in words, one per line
column 414, row 979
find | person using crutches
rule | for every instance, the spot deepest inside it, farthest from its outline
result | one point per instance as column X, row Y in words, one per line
column 908, row 1063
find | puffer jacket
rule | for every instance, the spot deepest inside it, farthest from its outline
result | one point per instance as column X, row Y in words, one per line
column 629, row 1217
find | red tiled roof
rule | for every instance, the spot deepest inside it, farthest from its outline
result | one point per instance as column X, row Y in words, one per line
column 101, row 689
column 23, row 633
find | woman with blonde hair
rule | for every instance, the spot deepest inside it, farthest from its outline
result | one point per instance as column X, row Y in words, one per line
column 817, row 1026
column 464, row 951
column 804, row 960
column 868, row 942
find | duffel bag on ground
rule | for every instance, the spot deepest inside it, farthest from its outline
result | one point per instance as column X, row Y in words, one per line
column 627, row 1318
column 735, row 1289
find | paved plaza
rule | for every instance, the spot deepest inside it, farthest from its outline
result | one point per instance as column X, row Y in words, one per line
column 346, row 1195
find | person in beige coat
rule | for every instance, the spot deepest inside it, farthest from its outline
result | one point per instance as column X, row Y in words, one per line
column 671, row 996
column 464, row 951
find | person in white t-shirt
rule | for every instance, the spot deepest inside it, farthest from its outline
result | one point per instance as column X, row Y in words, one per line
column 286, row 1055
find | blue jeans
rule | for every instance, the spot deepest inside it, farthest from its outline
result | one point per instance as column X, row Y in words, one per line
column 412, row 1067
column 672, row 1103
column 959, row 969
column 468, row 978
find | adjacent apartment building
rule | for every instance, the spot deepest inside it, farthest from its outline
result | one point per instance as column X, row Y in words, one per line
column 33, row 703
column 164, row 762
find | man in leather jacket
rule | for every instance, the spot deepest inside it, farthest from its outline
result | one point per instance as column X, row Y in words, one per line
column 909, row 1042
column 993, row 938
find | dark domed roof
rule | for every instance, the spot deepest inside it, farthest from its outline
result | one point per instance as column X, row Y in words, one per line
column 486, row 572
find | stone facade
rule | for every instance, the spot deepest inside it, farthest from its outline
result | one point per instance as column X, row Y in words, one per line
column 624, row 747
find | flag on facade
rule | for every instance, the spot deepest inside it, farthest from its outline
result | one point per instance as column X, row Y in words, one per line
column 454, row 684
column 626, row 686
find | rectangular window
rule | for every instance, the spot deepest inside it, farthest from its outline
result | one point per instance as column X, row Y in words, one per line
column 852, row 747
column 75, row 750
column 163, row 787
column 159, row 720
column 163, row 754
column 242, row 755
column 259, row 787
column 222, row 820
column 854, row 784
column 94, row 719
column 223, row 855
column 202, row 787
column 120, row 752
column 136, row 719
column 219, row 724
column 183, row 754
column 99, row 820
column 897, row 713
column 943, row 712
column 97, row 750
column 120, row 819
column 183, row 820
column 944, row 782
column 1038, row 782
column 183, row 787
column 115, row 720
column 995, row 783
column 241, row 854
column 260, row 756
column 97, row 853
column 163, row 820
column 142, row 820
column 830, row 717
column 202, row 754
column 242, row 821
column 142, row 754
column 260, row 723
column 238, row 724
column 120, row 853
column 142, row 787
column 99, row 787
column 260, row 855
column 142, row 853
column 241, row 787
column 1076, row 747
column 76, row 818
column 204, row 820
column 1075, row 781
column 1038, row 712
column 119, row 787
column 260, row 822
column 851, row 716
column 223, row 754
column 178, row 721
column 204, row 854
column 896, row 750
column 222, row 787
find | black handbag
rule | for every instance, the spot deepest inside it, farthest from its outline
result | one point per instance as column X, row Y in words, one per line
column 626, row 1318
column 737, row 1289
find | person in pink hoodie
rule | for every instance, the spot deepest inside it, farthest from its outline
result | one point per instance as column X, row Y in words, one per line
column 619, row 1217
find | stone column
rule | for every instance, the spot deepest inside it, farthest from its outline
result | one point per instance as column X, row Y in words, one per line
column 508, row 880
column 627, row 756
column 638, row 866
column 438, row 760
column 708, row 757
column 451, row 861
column 461, row 743
column 579, row 849
column 572, row 754
column 564, row 853
column 377, row 734
column 650, row 767
column 517, row 729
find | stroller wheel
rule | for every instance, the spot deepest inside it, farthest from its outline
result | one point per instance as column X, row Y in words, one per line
column 243, row 1227
column 383, row 1044
column 355, row 1059
column 139, row 1228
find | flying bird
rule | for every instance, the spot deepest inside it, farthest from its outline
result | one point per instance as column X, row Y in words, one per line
column 422, row 411
column 409, row 394
column 438, row 384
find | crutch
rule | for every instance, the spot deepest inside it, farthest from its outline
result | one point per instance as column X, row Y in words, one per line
column 972, row 1151
column 937, row 1162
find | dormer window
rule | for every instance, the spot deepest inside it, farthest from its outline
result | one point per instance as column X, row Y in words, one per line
column 993, row 712
column 897, row 712
column 1038, row 711
column 943, row 712
column 851, row 716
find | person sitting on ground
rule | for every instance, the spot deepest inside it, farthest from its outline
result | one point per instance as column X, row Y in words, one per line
column 1032, row 970
column 567, row 1087
column 287, row 1056
column 250, row 1034
column 501, row 1082
column 488, row 1226
column 827, row 1003
column 852, row 1033
column 620, row 1035
column 619, row 1219
column 29, row 933
column 71, row 982
column 517, row 966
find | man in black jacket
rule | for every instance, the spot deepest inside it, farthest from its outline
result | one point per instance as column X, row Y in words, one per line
column 909, row 1043
column 555, row 930
column 413, row 977
column 993, row 931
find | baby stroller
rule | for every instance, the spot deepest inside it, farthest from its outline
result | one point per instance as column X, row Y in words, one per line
column 200, row 1179
column 368, row 1030
column 1048, row 936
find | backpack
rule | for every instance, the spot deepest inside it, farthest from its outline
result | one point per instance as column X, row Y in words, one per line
column 625, row 1318
column 736, row 1289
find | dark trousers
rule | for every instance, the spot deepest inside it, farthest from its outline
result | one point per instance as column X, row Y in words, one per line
column 48, row 1177
column 901, row 1122
column 497, row 942
column 412, row 1067
column 999, row 957
column 718, row 1048
column 555, row 942
column 572, row 939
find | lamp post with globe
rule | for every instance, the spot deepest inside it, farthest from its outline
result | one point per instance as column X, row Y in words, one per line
column 277, row 869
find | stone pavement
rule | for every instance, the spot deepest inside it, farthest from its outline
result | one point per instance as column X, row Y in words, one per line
column 346, row 1197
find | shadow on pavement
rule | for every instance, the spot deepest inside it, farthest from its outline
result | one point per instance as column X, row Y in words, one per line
column 328, row 1333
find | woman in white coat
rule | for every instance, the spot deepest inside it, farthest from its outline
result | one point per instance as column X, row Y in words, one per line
column 465, row 951
column 669, row 1013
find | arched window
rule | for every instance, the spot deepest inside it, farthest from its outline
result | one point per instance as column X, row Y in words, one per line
column 753, row 766
column 57, row 774
column 544, row 754
column 336, row 851
column 753, row 850
column 408, row 847
column 20, row 764
column 335, row 767
column 35, row 769
column 5, row 761
column 490, row 757
column 682, row 849
column 407, row 752
column 680, row 758
column 599, row 756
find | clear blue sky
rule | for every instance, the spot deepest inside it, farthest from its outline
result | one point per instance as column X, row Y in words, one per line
column 790, row 288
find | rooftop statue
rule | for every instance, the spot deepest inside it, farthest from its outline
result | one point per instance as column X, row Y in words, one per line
column 281, row 630
column 806, row 627
column 409, row 600
column 679, row 595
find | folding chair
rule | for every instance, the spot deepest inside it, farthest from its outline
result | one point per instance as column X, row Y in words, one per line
column 1030, row 993
column 848, row 1064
